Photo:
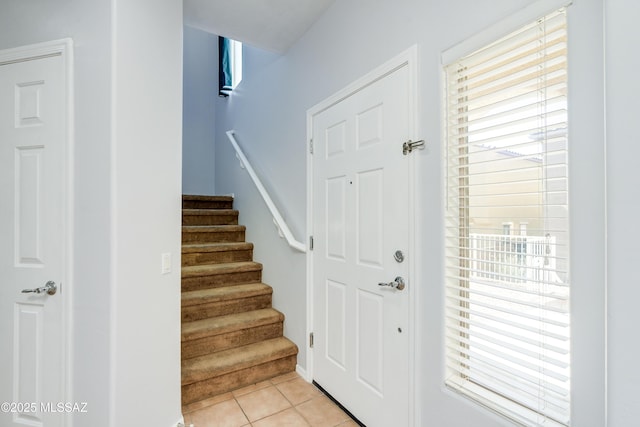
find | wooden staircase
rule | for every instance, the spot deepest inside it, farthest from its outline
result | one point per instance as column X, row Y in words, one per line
column 231, row 337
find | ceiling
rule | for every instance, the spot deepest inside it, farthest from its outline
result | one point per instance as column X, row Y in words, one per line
column 273, row 25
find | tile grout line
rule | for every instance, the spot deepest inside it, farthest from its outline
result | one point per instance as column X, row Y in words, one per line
column 273, row 385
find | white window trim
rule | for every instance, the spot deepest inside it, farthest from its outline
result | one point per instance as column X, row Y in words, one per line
column 236, row 62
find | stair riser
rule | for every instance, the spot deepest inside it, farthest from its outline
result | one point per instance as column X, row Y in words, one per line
column 222, row 308
column 212, row 236
column 234, row 339
column 200, row 258
column 219, row 280
column 234, row 380
column 207, row 204
column 210, row 219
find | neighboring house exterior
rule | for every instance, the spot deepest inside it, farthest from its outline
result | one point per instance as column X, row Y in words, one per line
column 128, row 115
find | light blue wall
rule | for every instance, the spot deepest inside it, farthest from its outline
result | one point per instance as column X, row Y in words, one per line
column 268, row 112
column 200, row 90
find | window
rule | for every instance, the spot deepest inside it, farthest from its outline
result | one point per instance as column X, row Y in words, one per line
column 229, row 65
column 507, row 294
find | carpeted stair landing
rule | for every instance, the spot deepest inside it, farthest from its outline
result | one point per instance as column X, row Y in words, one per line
column 231, row 336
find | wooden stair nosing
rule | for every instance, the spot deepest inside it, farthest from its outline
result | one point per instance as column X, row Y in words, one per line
column 235, row 359
column 231, row 322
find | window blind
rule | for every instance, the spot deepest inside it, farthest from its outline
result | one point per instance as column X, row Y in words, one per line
column 507, row 228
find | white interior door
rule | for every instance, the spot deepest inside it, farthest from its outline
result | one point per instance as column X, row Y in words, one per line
column 360, row 220
column 33, row 139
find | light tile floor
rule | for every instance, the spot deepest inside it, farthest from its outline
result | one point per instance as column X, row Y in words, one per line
column 284, row 401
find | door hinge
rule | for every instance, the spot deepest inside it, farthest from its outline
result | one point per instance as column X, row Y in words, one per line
column 410, row 145
column 311, row 146
column 310, row 243
column 311, row 340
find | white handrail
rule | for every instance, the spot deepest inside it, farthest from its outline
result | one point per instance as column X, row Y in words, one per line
column 281, row 225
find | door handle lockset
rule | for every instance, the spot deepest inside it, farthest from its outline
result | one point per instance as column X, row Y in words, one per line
column 397, row 284
column 49, row 288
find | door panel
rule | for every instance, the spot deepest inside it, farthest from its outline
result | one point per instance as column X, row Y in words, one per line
column 336, row 323
column 361, row 208
column 32, row 250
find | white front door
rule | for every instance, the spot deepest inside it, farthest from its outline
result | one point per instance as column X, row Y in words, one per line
column 361, row 216
column 33, row 150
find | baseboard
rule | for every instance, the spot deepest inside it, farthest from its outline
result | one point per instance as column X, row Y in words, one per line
column 303, row 373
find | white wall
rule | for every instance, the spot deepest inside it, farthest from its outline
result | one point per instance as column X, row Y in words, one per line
column 88, row 23
column 623, row 152
column 146, row 208
column 200, row 91
column 268, row 112
column 125, row 355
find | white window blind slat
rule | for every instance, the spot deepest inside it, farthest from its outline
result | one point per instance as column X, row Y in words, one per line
column 519, row 382
column 553, row 289
column 521, row 349
column 521, row 119
column 506, row 228
column 494, row 355
column 508, row 385
column 493, row 104
column 510, row 312
column 486, row 321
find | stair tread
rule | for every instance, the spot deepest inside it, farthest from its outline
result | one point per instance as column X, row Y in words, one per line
column 220, row 212
column 229, row 323
column 235, row 359
column 224, row 304
column 216, row 247
column 224, row 293
column 197, row 197
column 213, row 228
column 224, row 268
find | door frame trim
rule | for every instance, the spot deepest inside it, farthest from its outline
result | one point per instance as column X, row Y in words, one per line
column 409, row 59
column 64, row 49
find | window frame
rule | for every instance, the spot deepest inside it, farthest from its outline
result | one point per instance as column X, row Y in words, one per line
column 587, row 182
column 229, row 52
